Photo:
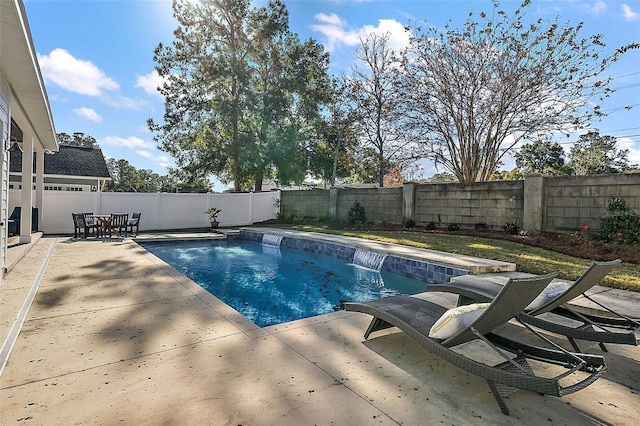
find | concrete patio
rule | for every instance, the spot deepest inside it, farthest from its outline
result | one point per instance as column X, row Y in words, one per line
column 116, row 336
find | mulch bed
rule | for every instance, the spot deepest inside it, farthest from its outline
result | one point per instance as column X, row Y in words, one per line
column 562, row 243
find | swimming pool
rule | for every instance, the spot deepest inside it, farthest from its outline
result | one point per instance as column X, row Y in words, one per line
column 271, row 285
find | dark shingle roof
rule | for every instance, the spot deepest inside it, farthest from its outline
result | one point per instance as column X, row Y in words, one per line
column 68, row 161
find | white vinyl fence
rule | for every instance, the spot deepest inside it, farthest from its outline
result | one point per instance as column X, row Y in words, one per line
column 159, row 210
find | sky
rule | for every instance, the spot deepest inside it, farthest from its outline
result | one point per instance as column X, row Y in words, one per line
column 96, row 57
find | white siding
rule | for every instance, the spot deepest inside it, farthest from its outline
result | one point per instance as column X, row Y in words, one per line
column 5, row 129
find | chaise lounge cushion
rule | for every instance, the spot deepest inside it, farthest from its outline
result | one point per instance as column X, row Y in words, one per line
column 552, row 291
column 456, row 319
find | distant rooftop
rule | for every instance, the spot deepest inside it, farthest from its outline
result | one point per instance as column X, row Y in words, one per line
column 68, row 161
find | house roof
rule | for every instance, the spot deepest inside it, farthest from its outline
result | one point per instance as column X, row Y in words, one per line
column 68, row 161
column 19, row 65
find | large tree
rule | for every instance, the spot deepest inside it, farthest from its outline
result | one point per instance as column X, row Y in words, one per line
column 78, row 139
column 333, row 153
column 372, row 91
column 542, row 156
column 595, row 154
column 471, row 94
column 125, row 177
column 242, row 92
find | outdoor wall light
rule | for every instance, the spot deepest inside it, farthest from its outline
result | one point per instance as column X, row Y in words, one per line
column 9, row 141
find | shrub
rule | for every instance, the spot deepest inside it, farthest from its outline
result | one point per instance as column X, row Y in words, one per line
column 621, row 224
column 321, row 217
column 356, row 213
column 453, row 227
column 431, row 226
column 289, row 217
column 581, row 235
column 409, row 223
column 285, row 216
column 481, row 226
column 511, row 228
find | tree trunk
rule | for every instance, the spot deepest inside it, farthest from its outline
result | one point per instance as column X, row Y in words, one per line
column 335, row 161
column 259, row 176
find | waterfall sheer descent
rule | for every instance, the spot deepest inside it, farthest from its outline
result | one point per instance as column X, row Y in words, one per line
column 368, row 259
column 271, row 240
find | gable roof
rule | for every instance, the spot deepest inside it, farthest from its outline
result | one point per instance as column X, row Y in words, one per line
column 68, row 161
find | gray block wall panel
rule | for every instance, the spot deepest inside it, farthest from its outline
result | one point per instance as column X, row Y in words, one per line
column 567, row 201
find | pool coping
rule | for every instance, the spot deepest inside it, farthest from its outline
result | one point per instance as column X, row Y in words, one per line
column 474, row 265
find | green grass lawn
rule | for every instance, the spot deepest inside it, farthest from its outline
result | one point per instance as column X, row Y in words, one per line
column 527, row 258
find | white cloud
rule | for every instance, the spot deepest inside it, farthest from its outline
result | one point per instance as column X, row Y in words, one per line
column 628, row 13
column 131, row 142
column 75, row 75
column 150, row 82
column 120, row 101
column 88, row 113
column 336, row 32
column 152, row 156
column 597, row 8
column 162, row 160
column 145, row 154
column 332, row 19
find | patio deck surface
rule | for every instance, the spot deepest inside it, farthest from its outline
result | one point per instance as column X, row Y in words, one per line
column 114, row 335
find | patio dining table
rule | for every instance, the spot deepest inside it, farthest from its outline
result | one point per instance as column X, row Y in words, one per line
column 105, row 221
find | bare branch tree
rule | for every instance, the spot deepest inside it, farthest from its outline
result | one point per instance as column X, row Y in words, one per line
column 373, row 94
column 472, row 94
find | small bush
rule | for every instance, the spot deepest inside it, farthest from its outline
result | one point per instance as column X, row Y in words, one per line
column 621, row 224
column 356, row 213
column 581, row 235
column 511, row 228
column 288, row 217
column 285, row 216
column 453, row 227
column 481, row 226
column 321, row 217
column 410, row 223
column 431, row 226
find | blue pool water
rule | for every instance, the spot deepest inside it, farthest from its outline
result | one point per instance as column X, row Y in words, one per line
column 271, row 285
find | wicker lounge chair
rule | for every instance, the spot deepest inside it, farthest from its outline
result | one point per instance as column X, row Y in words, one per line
column 584, row 324
column 416, row 317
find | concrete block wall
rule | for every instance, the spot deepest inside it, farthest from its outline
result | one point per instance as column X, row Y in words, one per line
column 383, row 205
column 467, row 204
column 309, row 203
column 575, row 201
column 537, row 203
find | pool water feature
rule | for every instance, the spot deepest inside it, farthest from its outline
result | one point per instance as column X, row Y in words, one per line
column 271, row 240
column 368, row 259
column 271, row 285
